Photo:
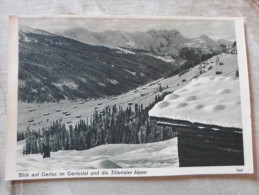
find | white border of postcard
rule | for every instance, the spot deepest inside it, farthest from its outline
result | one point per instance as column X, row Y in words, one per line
column 12, row 174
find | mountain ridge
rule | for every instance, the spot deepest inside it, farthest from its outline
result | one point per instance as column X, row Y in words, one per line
column 159, row 42
column 52, row 68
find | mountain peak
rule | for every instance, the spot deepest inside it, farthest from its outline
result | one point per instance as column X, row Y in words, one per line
column 225, row 42
column 154, row 32
column 205, row 37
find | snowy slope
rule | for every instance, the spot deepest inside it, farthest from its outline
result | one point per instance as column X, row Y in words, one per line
column 86, row 110
column 151, row 155
column 213, row 100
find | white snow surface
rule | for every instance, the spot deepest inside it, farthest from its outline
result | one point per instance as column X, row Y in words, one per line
column 113, row 81
column 167, row 59
column 150, row 155
column 213, row 100
column 125, row 51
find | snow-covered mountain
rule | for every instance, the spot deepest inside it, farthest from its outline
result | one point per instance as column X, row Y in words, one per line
column 52, row 68
column 205, row 44
column 160, row 42
column 92, row 64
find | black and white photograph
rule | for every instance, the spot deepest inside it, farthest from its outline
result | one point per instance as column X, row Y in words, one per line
column 151, row 96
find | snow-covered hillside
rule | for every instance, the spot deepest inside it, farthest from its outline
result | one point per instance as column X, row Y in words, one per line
column 213, row 100
column 60, row 68
column 159, row 154
column 141, row 95
column 151, row 155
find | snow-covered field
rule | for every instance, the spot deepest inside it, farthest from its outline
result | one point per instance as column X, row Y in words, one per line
column 151, row 155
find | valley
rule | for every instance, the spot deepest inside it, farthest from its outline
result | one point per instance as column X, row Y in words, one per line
column 45, row 114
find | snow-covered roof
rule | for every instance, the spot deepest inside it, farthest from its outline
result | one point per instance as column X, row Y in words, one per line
column 211, row 100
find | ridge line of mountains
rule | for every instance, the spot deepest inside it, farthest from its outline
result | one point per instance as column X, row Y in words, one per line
column 160, row 42
column 80, row 64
